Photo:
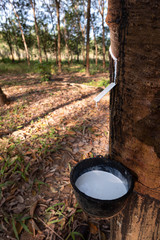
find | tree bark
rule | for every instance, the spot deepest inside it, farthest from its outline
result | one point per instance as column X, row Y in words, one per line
column 37, row 31
column 11, row 51
column 59, row 36
column 83, row 46
column 66, row 40
column 18, row 52
column 88, row 45
column 45, row 52
column 138, row 221
column 103, row 42
column 56, row 51
column 134, row 121
column 83, row 30
column 101, row 10
column 22, row 33
column 95, row 45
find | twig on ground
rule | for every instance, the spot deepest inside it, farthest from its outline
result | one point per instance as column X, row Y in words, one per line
column 99, row 232
column 50, row 228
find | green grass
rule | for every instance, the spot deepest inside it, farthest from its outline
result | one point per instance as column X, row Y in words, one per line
column 103, row 82
column 19, row 67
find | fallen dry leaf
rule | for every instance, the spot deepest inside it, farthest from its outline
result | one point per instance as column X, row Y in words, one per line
column 32, row 208
column 93, row 228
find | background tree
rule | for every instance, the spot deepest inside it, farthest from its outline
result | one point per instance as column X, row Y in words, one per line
column 59, row 34
column 101, row 10
column 66, row 39
column 20, row 5
column 88, row 39
column 33, row 4
column 73, row 31
column 93, row 22
column 8, row 36
column 80, row 7
column 50, row 16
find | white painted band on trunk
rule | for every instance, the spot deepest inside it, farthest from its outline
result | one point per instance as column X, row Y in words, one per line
column 110, row 51
column 111, row 85
column 115, row 64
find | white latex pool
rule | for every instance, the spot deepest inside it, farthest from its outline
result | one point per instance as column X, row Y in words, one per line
column 101, row 185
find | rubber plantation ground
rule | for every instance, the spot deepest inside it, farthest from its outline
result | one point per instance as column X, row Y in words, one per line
column 47, row 128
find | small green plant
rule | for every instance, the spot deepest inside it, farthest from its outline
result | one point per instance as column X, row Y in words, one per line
column 59, row 213
column 103, row 82
column 21, row 221
column 45, row 71
column 73, row 234
column 40, row 183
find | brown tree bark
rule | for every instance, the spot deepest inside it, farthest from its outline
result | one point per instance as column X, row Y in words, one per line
column 22, row 33
column 83, row 46
column 18, row 52
column 138, row 221
column 56, row 51
column 135, row 104
column 11, row 51
column 101, row 10
column 83, row 29
column 59, row 36
column 95, row 45
column 45, row 52
column 36, row 28
column 66, row 40
column 88, row 45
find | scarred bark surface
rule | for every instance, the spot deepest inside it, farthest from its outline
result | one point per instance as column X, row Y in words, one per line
column 135, row 113
column 138, row 221
column 135, row 101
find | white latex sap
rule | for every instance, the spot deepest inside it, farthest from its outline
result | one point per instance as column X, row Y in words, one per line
column 101, row 185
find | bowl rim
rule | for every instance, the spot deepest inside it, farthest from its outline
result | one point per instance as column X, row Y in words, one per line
column 123, row 197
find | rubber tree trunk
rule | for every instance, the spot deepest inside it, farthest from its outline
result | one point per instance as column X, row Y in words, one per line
column 11, row 51
column 66, row 40
column 22, row 33
column 101, row 10
column 135, row 103
column 83, row 41
column 88, row 31
column 56, row 51
column 95, row 45
column 83, row 29
column 59, row 36
column 45, row 52
column 36, row 29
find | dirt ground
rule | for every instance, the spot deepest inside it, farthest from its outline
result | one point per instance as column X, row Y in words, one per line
column 44, row 132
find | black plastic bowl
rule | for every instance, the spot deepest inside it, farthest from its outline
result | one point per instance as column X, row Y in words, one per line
column 98, row 207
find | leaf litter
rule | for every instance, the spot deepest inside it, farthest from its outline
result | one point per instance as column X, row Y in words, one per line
column 44, row 132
